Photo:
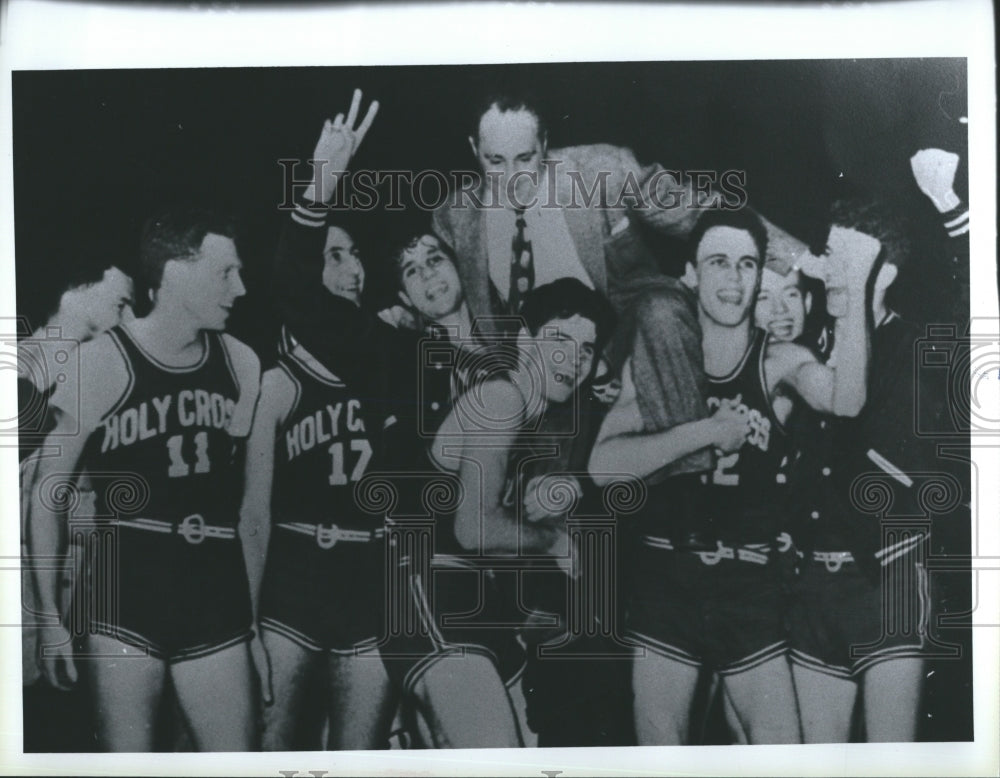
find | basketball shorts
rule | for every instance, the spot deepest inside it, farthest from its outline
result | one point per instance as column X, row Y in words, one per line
column 451, row 608
column 324, row 587
column 841, row 623
column 721, row 609
column 179, row 591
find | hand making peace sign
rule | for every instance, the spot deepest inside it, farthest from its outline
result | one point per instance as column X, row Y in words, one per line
column 338, row 142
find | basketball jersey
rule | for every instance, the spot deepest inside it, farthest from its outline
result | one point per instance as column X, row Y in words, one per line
column 170, row 428
column 321, row 451
column 745, row 485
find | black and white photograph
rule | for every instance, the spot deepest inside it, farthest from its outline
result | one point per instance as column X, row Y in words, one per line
column 453, row 407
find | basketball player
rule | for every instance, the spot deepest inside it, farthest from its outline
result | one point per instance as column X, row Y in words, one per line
column 859, row 615
column 723, row 609
column 163, row 401
column 83, row 301
column 486, row 441
column 321, row 600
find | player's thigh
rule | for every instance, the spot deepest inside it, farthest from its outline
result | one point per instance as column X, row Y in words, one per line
column 826, row 705
column 892, row 692
column 126, row 685
column 663, row 692
column 293, row 670
column 465, row 703
column 362, row 702
column 763, row 698
column 218, row 696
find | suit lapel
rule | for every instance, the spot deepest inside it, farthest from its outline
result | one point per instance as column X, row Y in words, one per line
column 584, row 225
column 470, row 235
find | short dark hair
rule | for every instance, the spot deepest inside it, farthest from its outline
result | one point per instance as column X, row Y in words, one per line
column 504, row 101
column 563, row 299
column 69, row 272
column 742, row 219
column 177, row 235
column 879, row 221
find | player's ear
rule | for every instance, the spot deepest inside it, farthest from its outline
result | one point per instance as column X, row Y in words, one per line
column 544, row 140
column 474, row 147
column 809, row 302
column 690, row 277
column 886, row 275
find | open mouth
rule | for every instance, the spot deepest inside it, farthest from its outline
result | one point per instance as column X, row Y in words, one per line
column 436, row 291
column 783, row 328
column 730, row 296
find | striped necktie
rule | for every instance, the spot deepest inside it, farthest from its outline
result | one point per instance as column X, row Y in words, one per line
column 522, row 265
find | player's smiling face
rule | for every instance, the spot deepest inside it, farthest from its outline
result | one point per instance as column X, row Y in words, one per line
column 343, row 273
column 209, row 283
column 430, row 280
column 781, row 306
column 566, row 348
column 728, row 271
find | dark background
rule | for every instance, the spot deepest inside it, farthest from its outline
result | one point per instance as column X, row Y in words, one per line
column 97, row 152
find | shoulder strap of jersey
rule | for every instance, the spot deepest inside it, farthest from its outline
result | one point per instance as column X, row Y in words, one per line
column 288, row 368
column 131, row 358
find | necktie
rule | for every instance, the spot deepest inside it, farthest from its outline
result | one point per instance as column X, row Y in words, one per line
column 522, row 265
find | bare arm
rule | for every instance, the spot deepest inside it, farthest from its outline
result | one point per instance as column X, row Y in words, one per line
column 482, row 521
column 55, row 482
column 255, row 512
column 839, row 387
column 623, row 447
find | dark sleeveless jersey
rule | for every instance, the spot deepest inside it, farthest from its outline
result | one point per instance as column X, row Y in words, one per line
column 321, row 451
column 746, row 485
column 168, row 437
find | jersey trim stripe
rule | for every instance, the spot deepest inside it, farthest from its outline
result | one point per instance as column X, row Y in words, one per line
column 229, row 362
column 297, row 385
column 131, row 377
column 755, row 333
column 205, row 354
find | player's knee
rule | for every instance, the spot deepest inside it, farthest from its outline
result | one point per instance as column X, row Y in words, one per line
column 468, row 675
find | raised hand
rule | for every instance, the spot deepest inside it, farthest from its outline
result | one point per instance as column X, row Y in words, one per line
column 856, row 251
column 934, row 171
column 338, row 142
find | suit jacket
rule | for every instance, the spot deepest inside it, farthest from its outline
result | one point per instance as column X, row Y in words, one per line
column 573, row 173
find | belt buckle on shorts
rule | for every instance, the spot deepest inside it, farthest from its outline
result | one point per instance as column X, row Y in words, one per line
column 327, row 537
column 834, row 561
column 192, row 529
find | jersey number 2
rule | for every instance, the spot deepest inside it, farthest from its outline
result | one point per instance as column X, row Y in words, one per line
column 721, row 475
column 178, row 467
column 337, row 475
